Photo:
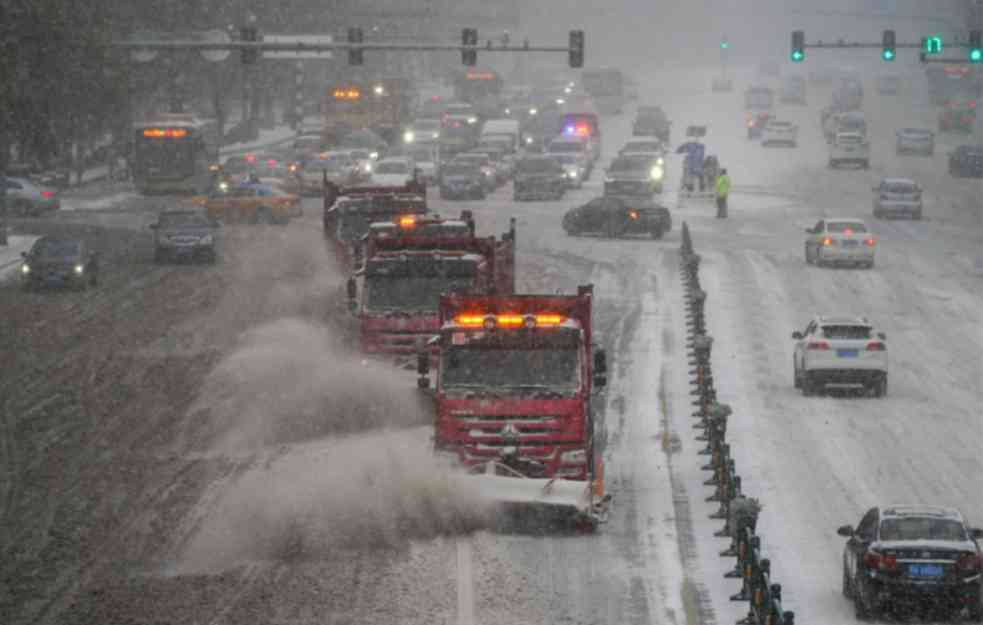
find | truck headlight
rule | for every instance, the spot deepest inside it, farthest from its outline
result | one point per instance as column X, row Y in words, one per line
column 572, row 174
column 25, row 269
column 656, row 173
column 79, row 269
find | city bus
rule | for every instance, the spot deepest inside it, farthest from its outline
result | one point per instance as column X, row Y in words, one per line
column 482, row 89
column 606, row 87
column 173, row 153
column 380, row 105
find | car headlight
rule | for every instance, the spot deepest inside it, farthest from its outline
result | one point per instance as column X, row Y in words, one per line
column 533, row 111
column 508, row 111
column 374, row 155
column 79, row 269
column 206, row 240
column 572, row 174
column 657, row 173
column 368, row 168
column 660, row 161
column 223, row 186
column 528, row 140
column 472, row 120
column 25, row 269
column 436, row 135
column 408, row 136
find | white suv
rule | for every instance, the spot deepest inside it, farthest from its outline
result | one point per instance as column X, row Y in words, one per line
column 849, row 147
column 840, row 353
column 780, row 132
column 840, row 242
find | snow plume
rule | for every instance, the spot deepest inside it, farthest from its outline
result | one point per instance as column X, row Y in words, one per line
column 291, row 381
column 376, row 490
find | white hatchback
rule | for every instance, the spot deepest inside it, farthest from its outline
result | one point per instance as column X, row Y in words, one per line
column 780, row 133
column 849, row 147
column 840, row 353
column 840, row 242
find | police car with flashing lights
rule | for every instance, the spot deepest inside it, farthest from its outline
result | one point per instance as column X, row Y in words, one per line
column 840, row 353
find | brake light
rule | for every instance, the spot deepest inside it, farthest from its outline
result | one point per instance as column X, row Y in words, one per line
column 250, row 158
column 47, row 194
column 827, row 241
column 967, row 119
column 969, row 563
column 870, row 241
column 876, row 346
column 821, row 346
column 848, row 231
column 875, row 560
column 972, row 104
column 633, row 214
column 408, row 221
column 271, row 163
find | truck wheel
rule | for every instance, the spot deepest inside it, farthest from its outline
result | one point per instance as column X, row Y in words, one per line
column 976, row 613
column 808, row 255
column 807, row 385
column 879, row 388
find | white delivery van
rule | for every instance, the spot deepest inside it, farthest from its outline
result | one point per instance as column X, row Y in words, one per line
column 502, row 129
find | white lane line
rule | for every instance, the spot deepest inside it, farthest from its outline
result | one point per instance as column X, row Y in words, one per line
column 465, row 583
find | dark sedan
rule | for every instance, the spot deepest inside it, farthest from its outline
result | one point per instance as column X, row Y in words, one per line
column 185, row 235
column 57, row 261
column 538, row 177
column 913, row 559
column 966, row 161
column 462, row 181
column 616, row 217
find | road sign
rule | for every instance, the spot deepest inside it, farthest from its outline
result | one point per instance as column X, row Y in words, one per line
column 300, row 53
column 216, row 36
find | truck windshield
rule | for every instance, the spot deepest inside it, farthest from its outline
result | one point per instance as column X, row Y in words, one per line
column 410, row 293
column 493, row 367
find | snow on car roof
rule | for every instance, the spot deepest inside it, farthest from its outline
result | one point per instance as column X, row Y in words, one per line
column 843, row 320
column 920, row 510
column 845, row 220
column 898, row 181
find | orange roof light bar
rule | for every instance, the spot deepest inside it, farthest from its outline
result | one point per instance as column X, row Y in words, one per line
column 407, row 221
column 165, row 133
column 477, row 320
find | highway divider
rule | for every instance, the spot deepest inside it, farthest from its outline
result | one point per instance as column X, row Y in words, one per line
column 738, row 511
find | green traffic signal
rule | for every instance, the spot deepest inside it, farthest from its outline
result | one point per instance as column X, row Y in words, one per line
column 933, row 45
column 798, row 46
column 975, row 46
column 797, row 56
column 724, row 45
column 887, row 55
column 975, row 55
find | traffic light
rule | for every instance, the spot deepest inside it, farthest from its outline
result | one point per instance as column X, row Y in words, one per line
column 469, row 37
column 932, row 45
column 724, row 44
column 975, row 46
column 888, row 51
column 576, row 48
column 798, row 46
column 248, row 34
column 355, row 55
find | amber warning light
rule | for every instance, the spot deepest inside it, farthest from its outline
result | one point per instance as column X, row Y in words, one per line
column 165, row 133
column 508, row 320
column 347, row 94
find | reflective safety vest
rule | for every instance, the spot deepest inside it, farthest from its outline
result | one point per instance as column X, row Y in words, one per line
column 723, row 185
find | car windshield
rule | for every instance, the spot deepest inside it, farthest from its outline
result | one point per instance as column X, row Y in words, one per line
column 845, row 227
column 916, row 132
column 630, row 164
column 536, row 166
column 922, row 528
column 846, row 332
column 642, row 146
column 458, row 169
column 492, row 367
column 185, row 220
column 566, row 159
column 392, row 168
column 56, row 248
column 559, row 147
column 900, row 186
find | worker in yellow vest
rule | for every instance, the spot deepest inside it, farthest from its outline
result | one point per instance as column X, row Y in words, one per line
column 722, row 188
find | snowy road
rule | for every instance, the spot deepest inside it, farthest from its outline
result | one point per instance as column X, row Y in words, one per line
column 269, row 509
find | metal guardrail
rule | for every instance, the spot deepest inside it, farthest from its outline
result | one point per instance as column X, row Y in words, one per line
column 738, row 511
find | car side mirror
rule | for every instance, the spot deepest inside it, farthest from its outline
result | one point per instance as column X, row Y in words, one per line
column 154, row 226
column 882, row 336
column 976, row 533
column 845, row 530
column 24, row 255
column 797, row 335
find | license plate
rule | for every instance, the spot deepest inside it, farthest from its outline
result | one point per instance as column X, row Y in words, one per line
column 848, row 243
column 847, row 353
column 925, row 571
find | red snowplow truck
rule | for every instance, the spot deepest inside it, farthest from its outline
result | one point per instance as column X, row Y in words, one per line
column 513, row 393
column 409, row 263
column 348, row 213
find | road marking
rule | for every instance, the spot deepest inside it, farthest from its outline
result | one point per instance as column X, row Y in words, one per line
column 465, row 583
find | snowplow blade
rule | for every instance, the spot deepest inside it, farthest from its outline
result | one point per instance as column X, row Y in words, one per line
column 545, row 499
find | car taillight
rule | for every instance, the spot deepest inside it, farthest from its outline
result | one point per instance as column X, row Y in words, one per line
column 827, row 241
column 967, row 119
column 47, row 194
column 876, row 346
column 881, row 562
column 818, row 346
column 969, row 563
column 870, row 241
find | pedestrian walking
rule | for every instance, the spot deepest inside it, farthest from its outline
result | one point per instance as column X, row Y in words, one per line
column 723, row 190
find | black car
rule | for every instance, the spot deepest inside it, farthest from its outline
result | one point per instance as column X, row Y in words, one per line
column 905, row 559
column 637, row 175
column 185, row 235
column 966, row 160
column 617, row 217
column 538, row 177
column 651, row 121
column 461, row 180
column 58, row 261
